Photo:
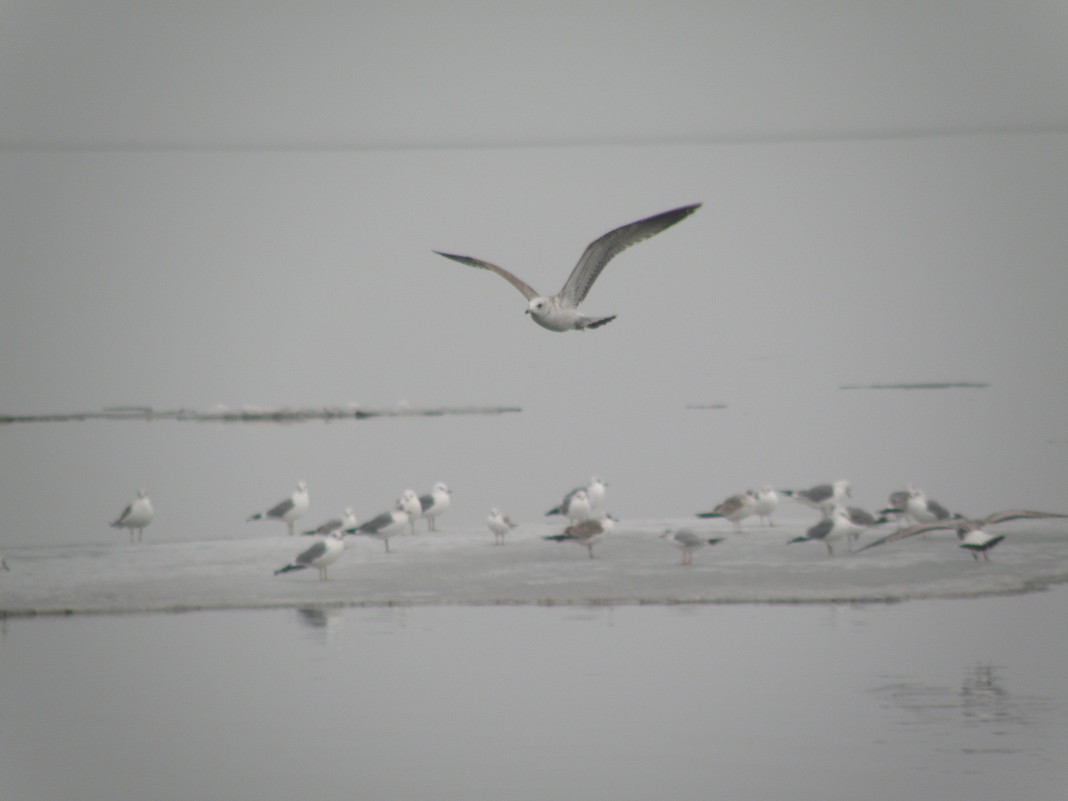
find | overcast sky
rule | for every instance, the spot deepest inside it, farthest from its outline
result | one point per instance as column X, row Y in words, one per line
column 236, row 203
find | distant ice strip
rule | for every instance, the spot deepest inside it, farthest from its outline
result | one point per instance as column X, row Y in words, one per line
column 257, row 414
column 927, row 385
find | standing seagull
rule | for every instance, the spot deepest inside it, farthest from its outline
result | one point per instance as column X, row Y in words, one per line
column 320, row 555
column 136, row 516
column 560, row 311
column 835, row 526
column 434, row 504
column 384, row 526
column 736, row 508
column 500, row 525
column 970, row 531
column 288, row 510
column 767, row 501
column 575, row 506
column 347, row 520
column 814, row 496
column 587, row 533
column 898, row 504
column 922, row 509
column 687, row 541
column 410, row 503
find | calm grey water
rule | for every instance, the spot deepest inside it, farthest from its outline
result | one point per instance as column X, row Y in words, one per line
column 940, row 698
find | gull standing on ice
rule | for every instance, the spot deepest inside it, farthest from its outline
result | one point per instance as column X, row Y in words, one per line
column 499, row 524
column 587, row 533
column 434, row 504
column 969, row 531
column 347, row 520
column 898, row 503
column 767, row 501
column 136, row 516
column 383, row 526
column 922, row 509
column 687, row 541
column 575, row 506
column 595, row 492
column 288, row 510
column 736, row 509
column 410, row 503
column 814, row 496
column 320, row 555
column 835, row 526
column 560, row 311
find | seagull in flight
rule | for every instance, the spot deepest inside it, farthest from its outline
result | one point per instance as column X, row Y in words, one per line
column 560, row 312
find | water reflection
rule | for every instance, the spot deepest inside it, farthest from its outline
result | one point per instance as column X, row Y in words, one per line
column 982, row 706
column 323, row 624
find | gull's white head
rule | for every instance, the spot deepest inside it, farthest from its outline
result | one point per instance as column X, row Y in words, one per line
column 538, row 307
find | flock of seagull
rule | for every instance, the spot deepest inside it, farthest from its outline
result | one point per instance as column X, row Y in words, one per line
column 587, row 524
column 840, row 521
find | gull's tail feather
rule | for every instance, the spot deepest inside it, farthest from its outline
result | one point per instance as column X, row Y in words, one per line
column 599, row 323
column 287, row 568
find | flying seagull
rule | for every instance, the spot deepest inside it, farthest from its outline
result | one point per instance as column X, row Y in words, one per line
column 136, row 516
column 970, row 531
column 560, row 312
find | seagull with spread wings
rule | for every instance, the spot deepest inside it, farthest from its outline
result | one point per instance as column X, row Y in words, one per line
column 560, row 312
column 970, row 531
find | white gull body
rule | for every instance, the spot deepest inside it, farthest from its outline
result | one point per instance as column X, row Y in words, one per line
column 814, row 496
column 688, row 541
column 587, row 532
column 410, row 503
column 736, row 509
column 136, row 516
column 320, row 555
column 835, row 526
column 767, row 501
column 560, row 312
column 347, row 520
column 435, row 504
column 288, row 510
column 383, row 526
column 499, row 524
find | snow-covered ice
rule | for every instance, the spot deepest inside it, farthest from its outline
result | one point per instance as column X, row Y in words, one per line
column 460, row 565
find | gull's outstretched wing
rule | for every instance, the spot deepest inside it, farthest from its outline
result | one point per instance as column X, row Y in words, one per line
column 1015, row 514
column 599, row 252
column 911, row 531
column 518, row 283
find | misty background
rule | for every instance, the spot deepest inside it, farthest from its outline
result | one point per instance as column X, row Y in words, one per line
column 236, row 204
